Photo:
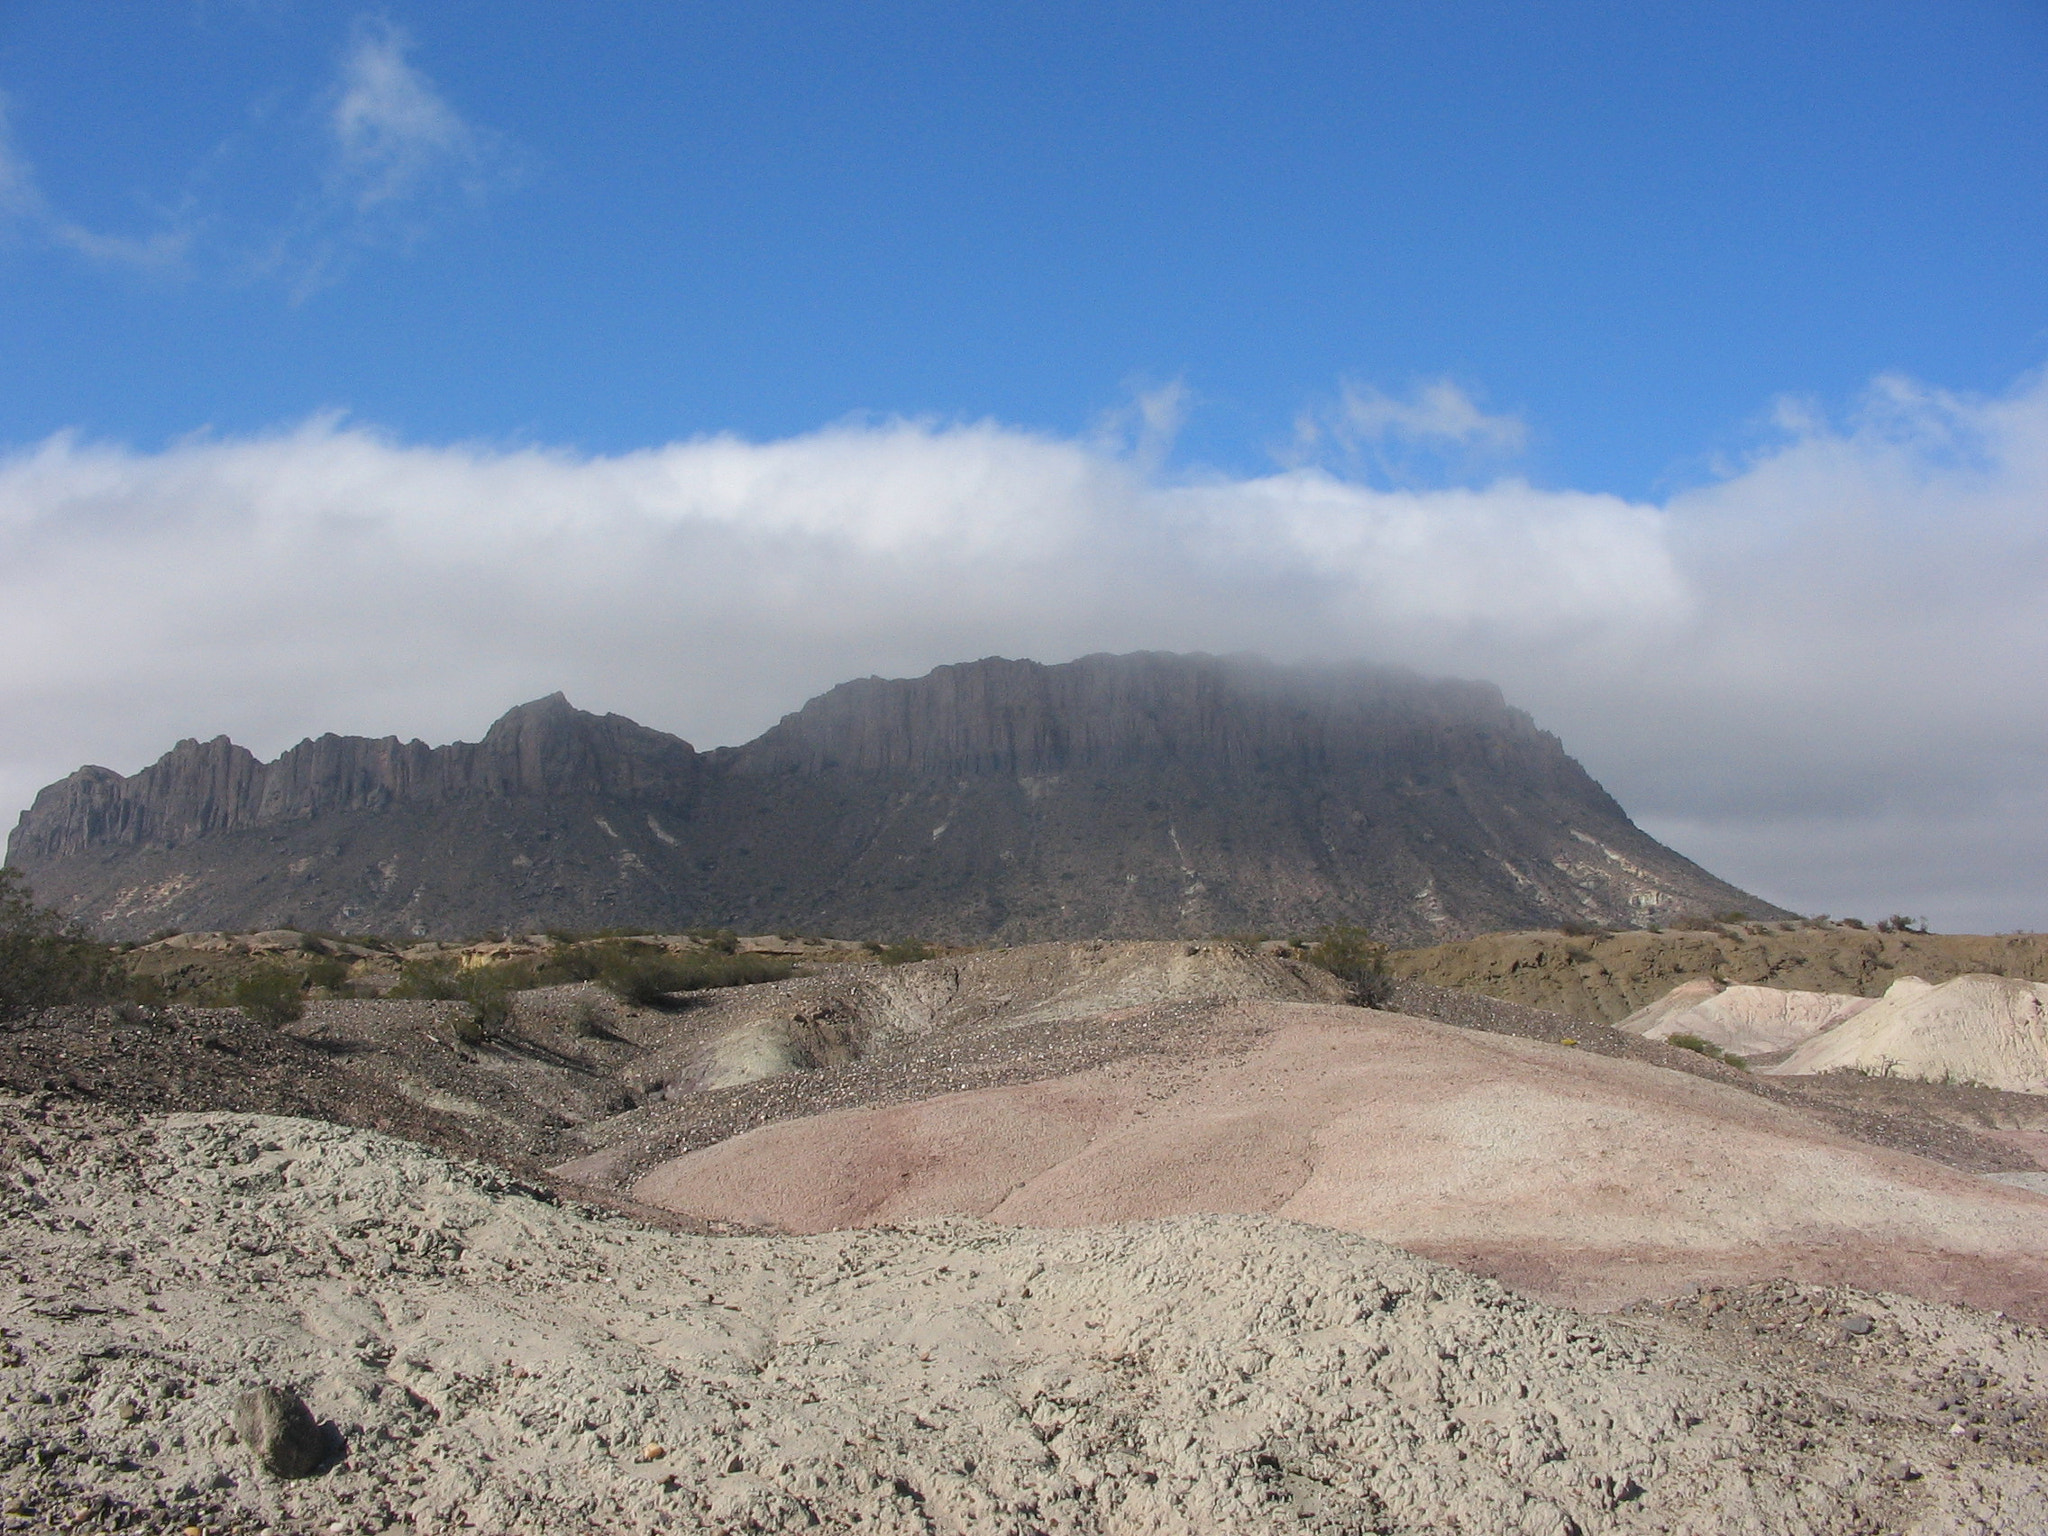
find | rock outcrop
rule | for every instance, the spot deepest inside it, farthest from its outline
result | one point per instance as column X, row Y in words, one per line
column 1139, row 795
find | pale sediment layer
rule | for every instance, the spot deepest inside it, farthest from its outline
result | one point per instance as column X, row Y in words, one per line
column 491, row 1360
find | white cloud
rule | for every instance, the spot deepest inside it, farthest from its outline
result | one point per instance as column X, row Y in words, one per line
column 390, row 160
column 1821, row 675
column 399, row 159
column 1438, row 428
column 394, row 135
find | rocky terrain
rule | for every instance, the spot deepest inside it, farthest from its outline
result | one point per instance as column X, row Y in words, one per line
column 475, row 1356
column 1065, row 1237
column 1139, row 795
column 1608, row 975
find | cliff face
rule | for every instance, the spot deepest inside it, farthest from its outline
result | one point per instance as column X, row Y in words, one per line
column 1117, row 795
column 201, row 789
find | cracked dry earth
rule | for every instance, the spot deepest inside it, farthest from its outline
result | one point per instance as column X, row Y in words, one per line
column 494, row 1361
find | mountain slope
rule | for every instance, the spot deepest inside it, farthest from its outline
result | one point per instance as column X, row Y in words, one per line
column 1118, row 795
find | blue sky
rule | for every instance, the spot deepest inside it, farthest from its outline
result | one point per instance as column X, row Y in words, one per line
column 1658, row 362
column 1630, row 225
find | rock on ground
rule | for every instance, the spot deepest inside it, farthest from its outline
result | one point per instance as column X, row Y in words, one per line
column 497, row 1362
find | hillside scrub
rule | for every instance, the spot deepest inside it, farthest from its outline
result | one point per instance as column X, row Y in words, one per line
column 271, row 995
column 633, row 971
column 1357, row 959
column 47, row 960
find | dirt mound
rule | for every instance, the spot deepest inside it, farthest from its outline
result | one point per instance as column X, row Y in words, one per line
column 1580, row 1178
column 1750, row 1021
column 517, row 1095
column 1607, row 976
column 751, row 1033
column 1991, row 1030
column 488, row 1360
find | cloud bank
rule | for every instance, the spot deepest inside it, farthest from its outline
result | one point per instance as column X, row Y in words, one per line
column 1819, row 674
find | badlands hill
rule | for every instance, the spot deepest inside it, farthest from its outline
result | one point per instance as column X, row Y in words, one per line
column 1061, row 1238
column 1607, row 976
column 1136, row 796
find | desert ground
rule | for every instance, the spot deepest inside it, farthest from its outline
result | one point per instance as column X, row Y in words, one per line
column 1078, row 1237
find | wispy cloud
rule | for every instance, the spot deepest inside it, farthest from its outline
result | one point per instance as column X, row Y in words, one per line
column 399, row 158
column 1820, row 674
column 21, row 200
column 381, row 159
column 1437, row 428
column 26, row 212
column 396, row 138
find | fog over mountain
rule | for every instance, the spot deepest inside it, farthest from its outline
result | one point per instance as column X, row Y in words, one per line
column 1816, row 671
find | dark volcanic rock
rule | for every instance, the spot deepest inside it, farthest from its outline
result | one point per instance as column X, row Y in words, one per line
column 1117, row 795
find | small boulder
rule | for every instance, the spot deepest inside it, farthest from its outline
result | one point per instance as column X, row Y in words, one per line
column 276, row 1424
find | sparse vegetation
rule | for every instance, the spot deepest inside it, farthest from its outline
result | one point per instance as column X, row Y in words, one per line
column 903, row 952
column 1357, row 959
column 329, row 975
column 270, row 995
column 1707, row 1048
column 1898, row 923
column 47, row 960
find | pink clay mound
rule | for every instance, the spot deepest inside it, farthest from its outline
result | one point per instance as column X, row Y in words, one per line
column 1580, row 1178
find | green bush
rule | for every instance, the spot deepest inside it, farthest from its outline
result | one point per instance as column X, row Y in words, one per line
column 329, row 974
column 1356, row 958
column 1707, row 1048
column 47, row 960
column 271, row 995
column 904, row 952
column 487, row 989
column 633, row 971
column 649, row 978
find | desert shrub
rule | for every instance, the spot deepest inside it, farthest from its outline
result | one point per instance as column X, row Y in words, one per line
column 1687, row 1042
column 1693, row 922
column 270, row 995
column 1851, row 922
column 47, row 960
column 329, row 974
column 1572, row 930
column 434, row 980
column 904, row 952
column 588, row 1021
column 1732, row 915
column 1357, row 959
column 648, row 976
column 487, row 989
column 1898, row 923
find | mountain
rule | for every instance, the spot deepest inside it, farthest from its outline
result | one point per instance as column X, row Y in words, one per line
column 1140, row 795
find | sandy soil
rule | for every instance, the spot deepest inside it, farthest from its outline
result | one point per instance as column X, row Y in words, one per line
column 494, row 1361
column 1580, row 1178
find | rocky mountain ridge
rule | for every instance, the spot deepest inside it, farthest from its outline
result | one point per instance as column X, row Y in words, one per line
column 1117, row 795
